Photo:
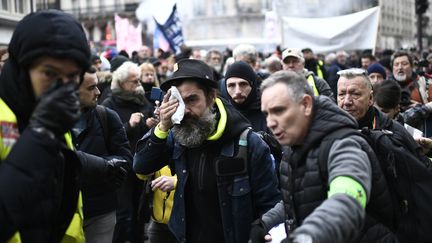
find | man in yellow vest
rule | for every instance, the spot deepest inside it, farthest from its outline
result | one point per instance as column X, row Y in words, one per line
column 293, row 60
column 39, row 191
column 313, row 64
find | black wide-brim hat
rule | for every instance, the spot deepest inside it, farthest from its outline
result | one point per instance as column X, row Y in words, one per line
column 191, row 69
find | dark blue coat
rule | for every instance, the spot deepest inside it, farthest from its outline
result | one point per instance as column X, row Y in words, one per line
column 240, row 199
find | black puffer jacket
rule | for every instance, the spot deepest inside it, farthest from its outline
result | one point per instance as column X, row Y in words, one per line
column 339, row 218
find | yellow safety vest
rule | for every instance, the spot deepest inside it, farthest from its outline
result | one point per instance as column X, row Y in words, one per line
column 318, row 68
column 311, row 82
column 8, row 136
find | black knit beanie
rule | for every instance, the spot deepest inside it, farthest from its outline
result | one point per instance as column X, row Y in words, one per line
column 242, row 70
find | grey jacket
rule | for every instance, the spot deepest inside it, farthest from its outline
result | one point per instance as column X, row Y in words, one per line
column 339, row 218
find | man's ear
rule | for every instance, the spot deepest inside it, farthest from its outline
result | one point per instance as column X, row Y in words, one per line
column 307, row 103
column 212, row 97
column 371, row 98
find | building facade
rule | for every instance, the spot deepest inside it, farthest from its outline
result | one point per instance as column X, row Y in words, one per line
column 97, row 17
column 397, row 24
column 12, row 11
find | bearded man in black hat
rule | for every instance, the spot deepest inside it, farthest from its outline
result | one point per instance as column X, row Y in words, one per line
column 219, row 192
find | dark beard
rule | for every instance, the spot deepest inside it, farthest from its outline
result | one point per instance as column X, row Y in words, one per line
column 192, row 132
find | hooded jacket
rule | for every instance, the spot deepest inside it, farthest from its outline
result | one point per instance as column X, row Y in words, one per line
column 38, row 179
column 340, row 217
column 208, row 203
column 251, row 107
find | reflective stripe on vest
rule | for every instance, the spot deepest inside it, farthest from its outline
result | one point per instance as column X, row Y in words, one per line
column 8, row 136
column 311, row 82
column 318, row 68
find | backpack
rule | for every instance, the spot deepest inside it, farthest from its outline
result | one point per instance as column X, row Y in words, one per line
column 409, row 180
column 274, row 145
column 239, row 163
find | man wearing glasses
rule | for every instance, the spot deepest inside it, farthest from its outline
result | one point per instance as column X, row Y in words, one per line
column 136, row 112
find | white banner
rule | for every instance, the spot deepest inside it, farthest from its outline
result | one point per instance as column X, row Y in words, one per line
column 347, row 32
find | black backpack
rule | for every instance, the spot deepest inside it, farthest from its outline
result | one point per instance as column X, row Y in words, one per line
column 274, row 145
column 408, row 175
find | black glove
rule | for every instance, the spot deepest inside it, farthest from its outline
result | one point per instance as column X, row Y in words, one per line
column 117, row 170
column 58, row 109
column 257, row 232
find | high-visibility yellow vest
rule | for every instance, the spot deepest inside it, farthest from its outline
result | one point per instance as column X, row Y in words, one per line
column 319, row 71
column 311, row 82
column 8, row 136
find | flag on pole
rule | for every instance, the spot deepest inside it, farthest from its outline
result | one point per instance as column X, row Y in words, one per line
column 159, row 40
column 172, row 30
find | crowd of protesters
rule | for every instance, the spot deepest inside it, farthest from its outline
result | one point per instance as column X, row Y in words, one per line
column 157, row 146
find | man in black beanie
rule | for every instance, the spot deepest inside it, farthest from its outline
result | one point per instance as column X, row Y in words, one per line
column 39, row 189
column 241, row 91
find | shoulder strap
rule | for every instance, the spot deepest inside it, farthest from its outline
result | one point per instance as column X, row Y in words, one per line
column 243, row 143
column 102, row 115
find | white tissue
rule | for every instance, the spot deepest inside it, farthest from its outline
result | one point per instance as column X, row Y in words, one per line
column 179, row 114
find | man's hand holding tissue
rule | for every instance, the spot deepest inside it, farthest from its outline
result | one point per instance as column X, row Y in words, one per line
column 167, row 110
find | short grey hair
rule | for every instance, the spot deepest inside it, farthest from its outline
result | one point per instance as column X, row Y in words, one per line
column 356, row 72
column 245, row 51
column 296, row 83
column 121, row 74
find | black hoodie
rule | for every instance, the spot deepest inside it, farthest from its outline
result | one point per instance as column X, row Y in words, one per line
column 38, row 178
column 46, row 33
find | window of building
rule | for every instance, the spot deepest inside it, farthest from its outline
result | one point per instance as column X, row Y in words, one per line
column 4, row 5
column 19, row 6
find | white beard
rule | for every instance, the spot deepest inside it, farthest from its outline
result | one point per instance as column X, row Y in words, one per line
column 400, row 77
column 139, row 90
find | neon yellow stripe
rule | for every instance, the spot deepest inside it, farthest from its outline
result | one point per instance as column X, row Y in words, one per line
column 311, row 82
column 222, row 122
column 319, row 72
column 160, row 134
column 349, row 186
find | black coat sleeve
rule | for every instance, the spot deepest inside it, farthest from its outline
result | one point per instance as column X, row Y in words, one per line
column 30, row 185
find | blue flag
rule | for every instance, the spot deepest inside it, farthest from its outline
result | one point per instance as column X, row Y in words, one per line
column 172, row 30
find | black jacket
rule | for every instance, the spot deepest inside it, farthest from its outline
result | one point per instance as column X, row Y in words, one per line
column 124, row 109
column 99, row 195
column 338, row 218
column 39, row 178
column 250, row 108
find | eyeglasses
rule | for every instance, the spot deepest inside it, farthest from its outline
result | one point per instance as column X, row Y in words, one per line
column 352, row 72
column 136, row 81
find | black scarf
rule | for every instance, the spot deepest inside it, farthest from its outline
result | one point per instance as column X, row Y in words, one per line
column 130, row 96
column 368, row 119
